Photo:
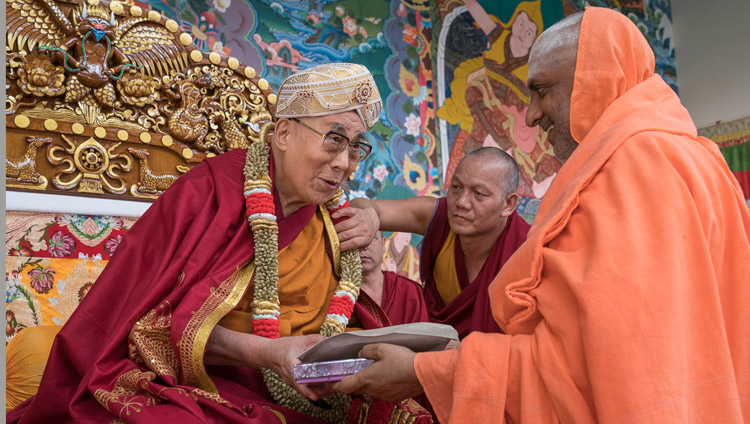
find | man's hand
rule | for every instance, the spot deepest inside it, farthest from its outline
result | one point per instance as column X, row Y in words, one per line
column 391, row 378
column 283, row 357
column 357, row 231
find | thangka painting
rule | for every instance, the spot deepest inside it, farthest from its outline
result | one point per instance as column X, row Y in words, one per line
column 452, row 73
column 733, row 139
column 481, row 65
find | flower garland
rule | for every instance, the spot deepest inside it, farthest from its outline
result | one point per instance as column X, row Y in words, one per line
column 261, row 215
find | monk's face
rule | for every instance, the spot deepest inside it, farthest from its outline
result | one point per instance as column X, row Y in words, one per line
column 372, row 255
column 476, row 200
column 308, row 173
column 550, row 81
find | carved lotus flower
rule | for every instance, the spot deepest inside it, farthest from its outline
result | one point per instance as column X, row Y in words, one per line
column 138, row 89
column 40, row 77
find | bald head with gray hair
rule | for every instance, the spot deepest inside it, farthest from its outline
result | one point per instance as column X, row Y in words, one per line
column 508, row 165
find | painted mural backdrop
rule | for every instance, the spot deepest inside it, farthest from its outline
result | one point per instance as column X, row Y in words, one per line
column 452, row 73
column 481, row 66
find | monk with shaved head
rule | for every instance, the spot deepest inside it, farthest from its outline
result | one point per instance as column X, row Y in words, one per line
column 630, row 299
column 468, row 236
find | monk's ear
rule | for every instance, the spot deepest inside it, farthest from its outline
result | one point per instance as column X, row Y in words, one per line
column 281, row 134
column 511, row 201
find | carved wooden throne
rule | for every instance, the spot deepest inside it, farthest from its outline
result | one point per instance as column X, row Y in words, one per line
column 107, row 99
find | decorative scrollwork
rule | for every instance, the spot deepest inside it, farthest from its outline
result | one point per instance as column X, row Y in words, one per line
column 92, row 72
column 91, row 168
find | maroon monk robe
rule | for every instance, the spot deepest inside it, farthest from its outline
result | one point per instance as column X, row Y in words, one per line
column 402, row 303
column 470, row 310
column 174, row 273
column 185, row 246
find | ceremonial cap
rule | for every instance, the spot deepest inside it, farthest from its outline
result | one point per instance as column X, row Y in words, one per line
column 328, row 89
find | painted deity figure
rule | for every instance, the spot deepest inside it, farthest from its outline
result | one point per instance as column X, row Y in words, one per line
column 489, row 98
column 400, row 256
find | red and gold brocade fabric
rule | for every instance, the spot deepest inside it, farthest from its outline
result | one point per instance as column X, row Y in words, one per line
column 52, row 261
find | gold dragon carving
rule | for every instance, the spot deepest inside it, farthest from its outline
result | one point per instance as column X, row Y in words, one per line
column 113, row 65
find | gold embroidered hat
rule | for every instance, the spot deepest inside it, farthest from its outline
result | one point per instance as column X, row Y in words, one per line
column 328, row 89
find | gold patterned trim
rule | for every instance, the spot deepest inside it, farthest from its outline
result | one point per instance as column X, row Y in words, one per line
column 123, row 394
column 195, row 337
column 150, row 342
column 333, row 238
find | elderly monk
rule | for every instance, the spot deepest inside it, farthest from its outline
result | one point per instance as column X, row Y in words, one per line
column 398, row 299
column 468, row 236
column 229, row 276
column 630, row 300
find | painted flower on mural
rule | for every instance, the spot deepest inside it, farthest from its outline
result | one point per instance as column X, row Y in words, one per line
column 339, row 10
column 111, row 245
column 380, row 172
column 222, row 5
column 61, row 245
column 368, row 178
column 373, row 19
column 350, row 26
column 410, row 35
column 218, row 46
column 421, row 97
column 363, row 31
column 401, row 11
column 313, row 17
column 42, row 279
column 355, row 194
column 413, row 125
column 202, row 27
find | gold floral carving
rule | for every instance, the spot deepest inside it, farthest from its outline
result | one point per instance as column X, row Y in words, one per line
column 22, row 172
column 111, row 64
column 150, row 344
column 91, row 168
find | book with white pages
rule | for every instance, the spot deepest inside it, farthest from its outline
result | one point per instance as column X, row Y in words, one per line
column 336, row 357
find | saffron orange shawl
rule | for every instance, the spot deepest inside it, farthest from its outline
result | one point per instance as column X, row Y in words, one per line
column 630, row 300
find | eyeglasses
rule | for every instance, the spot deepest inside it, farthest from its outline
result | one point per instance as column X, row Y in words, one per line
column 335, row 143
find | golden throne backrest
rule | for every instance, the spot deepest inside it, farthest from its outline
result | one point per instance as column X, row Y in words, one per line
column 108, row 99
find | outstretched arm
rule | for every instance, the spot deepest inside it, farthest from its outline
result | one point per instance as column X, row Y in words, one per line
column 367, row 216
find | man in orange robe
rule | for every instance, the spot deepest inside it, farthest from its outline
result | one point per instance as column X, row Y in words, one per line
column 630, row 300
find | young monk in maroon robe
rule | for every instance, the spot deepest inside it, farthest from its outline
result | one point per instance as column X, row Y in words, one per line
column 468, row 236
column 393, row 298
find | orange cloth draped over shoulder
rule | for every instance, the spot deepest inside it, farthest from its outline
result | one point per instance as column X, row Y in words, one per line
column 303, row 304
column 630, row 300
